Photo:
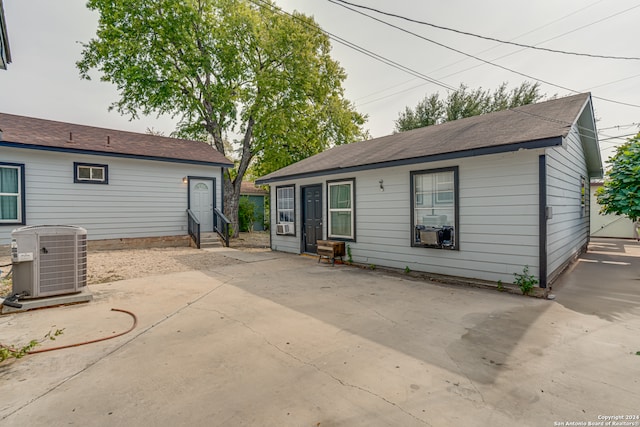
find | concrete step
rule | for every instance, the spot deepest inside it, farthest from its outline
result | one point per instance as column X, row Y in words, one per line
column 210, row 240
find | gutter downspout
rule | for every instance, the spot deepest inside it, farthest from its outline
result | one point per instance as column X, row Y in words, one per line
column 542, row 219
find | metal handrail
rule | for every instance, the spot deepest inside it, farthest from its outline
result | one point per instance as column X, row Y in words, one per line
column 193, row 227
column 221, row 225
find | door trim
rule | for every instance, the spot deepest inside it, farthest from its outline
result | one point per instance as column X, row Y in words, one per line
column 303, row 204
column 213, row 193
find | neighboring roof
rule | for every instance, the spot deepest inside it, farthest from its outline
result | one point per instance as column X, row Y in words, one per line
column 39, row 134
column 5, row 52
column 249, row 188
column 531, row 126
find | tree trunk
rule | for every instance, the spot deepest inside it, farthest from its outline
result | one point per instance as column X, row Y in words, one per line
column 231, row 204
column 232, row 187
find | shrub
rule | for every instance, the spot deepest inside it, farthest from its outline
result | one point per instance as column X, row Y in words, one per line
column 525, row 281
column 246, row 214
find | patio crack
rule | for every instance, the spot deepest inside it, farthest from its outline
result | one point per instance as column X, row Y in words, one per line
column 382, row 316
column 317, row 368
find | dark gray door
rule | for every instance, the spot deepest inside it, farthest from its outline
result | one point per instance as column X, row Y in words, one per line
column 312, row 217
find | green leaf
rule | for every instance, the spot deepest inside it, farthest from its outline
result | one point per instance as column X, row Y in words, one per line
column 619, row 193
column 465, row 103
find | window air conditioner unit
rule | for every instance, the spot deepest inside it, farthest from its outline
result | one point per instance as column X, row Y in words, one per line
column 441, row 237
column 285, row 228
column 430, row 236
column 48, row 260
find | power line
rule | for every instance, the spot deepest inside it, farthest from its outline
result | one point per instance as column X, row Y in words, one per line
column 263, row 4
column 392, row 94
column 546, row 40
column 564, row 52
column 622, row 126
column 590, row 24
column 523, row 34
column 476, row 57
column 478, row 65
column 615, row 81
column 616, row 137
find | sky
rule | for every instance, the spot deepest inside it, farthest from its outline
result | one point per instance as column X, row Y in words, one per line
column 45, row 38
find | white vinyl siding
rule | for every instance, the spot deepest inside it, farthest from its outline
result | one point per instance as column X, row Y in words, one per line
column 144, row 198
column 498, row 209
column 568, row 229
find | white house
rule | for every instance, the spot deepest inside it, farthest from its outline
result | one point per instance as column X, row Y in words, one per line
column 480, row 198
column 118, row 185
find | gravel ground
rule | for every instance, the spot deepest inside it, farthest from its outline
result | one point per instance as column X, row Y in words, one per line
column 109, row 266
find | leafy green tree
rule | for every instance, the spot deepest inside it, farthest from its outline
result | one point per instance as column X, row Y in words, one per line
column 620, row 193
column 226, row 67
column 463, row 103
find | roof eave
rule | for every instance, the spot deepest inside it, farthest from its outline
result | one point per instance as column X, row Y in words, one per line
column 586, row 125
column 12, row 144
column 527, row 145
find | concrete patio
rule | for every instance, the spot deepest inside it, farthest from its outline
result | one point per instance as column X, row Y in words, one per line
column 281, row 340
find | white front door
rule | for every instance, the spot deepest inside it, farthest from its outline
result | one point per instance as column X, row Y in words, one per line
column 202, row 203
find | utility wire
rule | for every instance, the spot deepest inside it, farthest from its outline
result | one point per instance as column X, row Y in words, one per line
column 476, row 57
column 564, row 52
column 520, row 50
column 478, row 65
column 622, row 126
column 617, row 137
column 615, row 81
column 524, row 34
column 264, row 4
column 544, row 41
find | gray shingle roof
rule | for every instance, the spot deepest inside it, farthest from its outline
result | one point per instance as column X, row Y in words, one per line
column 249, row 188
column 28, row 132
column 530, row 126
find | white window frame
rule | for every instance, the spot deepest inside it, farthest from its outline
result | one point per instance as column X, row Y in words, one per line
column 351, row 209
column 92, row 168
column 19, row 195
column 289, row 209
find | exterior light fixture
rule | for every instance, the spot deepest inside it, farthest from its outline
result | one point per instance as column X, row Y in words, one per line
column 381, row 182
column 184, row 180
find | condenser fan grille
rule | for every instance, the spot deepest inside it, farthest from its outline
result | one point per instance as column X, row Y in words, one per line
column 57, row 263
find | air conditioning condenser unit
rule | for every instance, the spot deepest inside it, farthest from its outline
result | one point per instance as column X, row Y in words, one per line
column 48, row 260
